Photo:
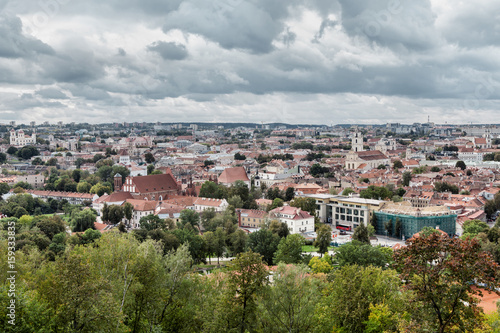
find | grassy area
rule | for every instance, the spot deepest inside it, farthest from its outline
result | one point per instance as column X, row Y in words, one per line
column 310, row 248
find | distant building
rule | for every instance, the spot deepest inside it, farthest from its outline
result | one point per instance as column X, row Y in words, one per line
column 18, row 138
column 251, row 218
column 358, row 158
column 202, row 204
column 344, row 212
column 297, row 220
column 414, row 219
column 230, row 175
column 152, row 187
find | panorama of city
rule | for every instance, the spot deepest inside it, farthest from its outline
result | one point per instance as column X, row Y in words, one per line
column 125, row 219
column 249, row 166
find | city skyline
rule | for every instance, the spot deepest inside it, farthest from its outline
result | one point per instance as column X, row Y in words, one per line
column 320, row 62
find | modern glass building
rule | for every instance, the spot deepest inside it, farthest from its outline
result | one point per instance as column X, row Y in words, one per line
column 412, row 220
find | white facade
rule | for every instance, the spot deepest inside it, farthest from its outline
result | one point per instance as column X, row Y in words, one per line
column 298, row 221
column 18, row 138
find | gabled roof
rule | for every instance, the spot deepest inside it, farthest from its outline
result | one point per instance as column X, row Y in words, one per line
column 115, row 197
column 155, row 183
column 209, row 202
column 371, row 155
column 142, row 205
column 230, row 175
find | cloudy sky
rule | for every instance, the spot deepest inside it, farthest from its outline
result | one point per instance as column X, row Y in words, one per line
column 295, row 61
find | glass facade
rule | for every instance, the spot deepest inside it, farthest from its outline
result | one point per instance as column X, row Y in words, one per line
column 410, row 225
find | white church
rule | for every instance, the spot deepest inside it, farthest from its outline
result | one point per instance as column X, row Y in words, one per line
column 358, row 158
column 18, row 138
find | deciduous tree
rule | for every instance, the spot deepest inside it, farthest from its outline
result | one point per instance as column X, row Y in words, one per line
column 445, row 274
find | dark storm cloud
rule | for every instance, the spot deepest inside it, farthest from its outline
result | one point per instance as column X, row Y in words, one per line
column 195, row 58
column 169, row 50
column 394, row 23
column 251, row 25
column 473, row 24
column 13, row 44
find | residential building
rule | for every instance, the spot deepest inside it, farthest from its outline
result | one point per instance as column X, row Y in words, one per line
column 218, row 205
column 251, row 218
column 297, row 220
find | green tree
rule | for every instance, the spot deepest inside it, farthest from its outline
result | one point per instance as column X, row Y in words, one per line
column 152, row 222
column 461, row 165
column 189, row 216
column 444, row 275
column 289, row 194
column 264, row 242
column 149, row 158
column 347, row 191
column 105, row 212
column 115, row 214
column 288, row 305
column 83, row 187
column 51, row 226
column 362, row 254
column 276, row 203
column 4, row 188
column 249, row 276
column 128, row 210
column 235, row 201
column 100, row 189
column 361, row 234
column 323, row 239
column 306, row 204
column 239, row 157
column 407, row 178
column 219, row 245
column 238, row 242
column 290, row 249
column 210, row 189
column 471, row 228
column 397, row 164
column 83, row 220
column 346, row 301
column 321, row 265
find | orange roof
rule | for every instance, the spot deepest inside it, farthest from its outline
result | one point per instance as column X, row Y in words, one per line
column 230, row 175
column 209, row 202
column 155, row 183
column 142, row 205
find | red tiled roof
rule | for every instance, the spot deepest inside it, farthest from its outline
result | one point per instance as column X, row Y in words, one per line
column 208, row 202
column 155, row 183
column 115, row 197
column 142, row 205
column 371, row 155
column 230, row 175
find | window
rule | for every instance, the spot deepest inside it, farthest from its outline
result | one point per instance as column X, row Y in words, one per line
column 362, row 213
column 356, row 212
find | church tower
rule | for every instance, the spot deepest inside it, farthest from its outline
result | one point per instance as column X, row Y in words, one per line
column 357, row 142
